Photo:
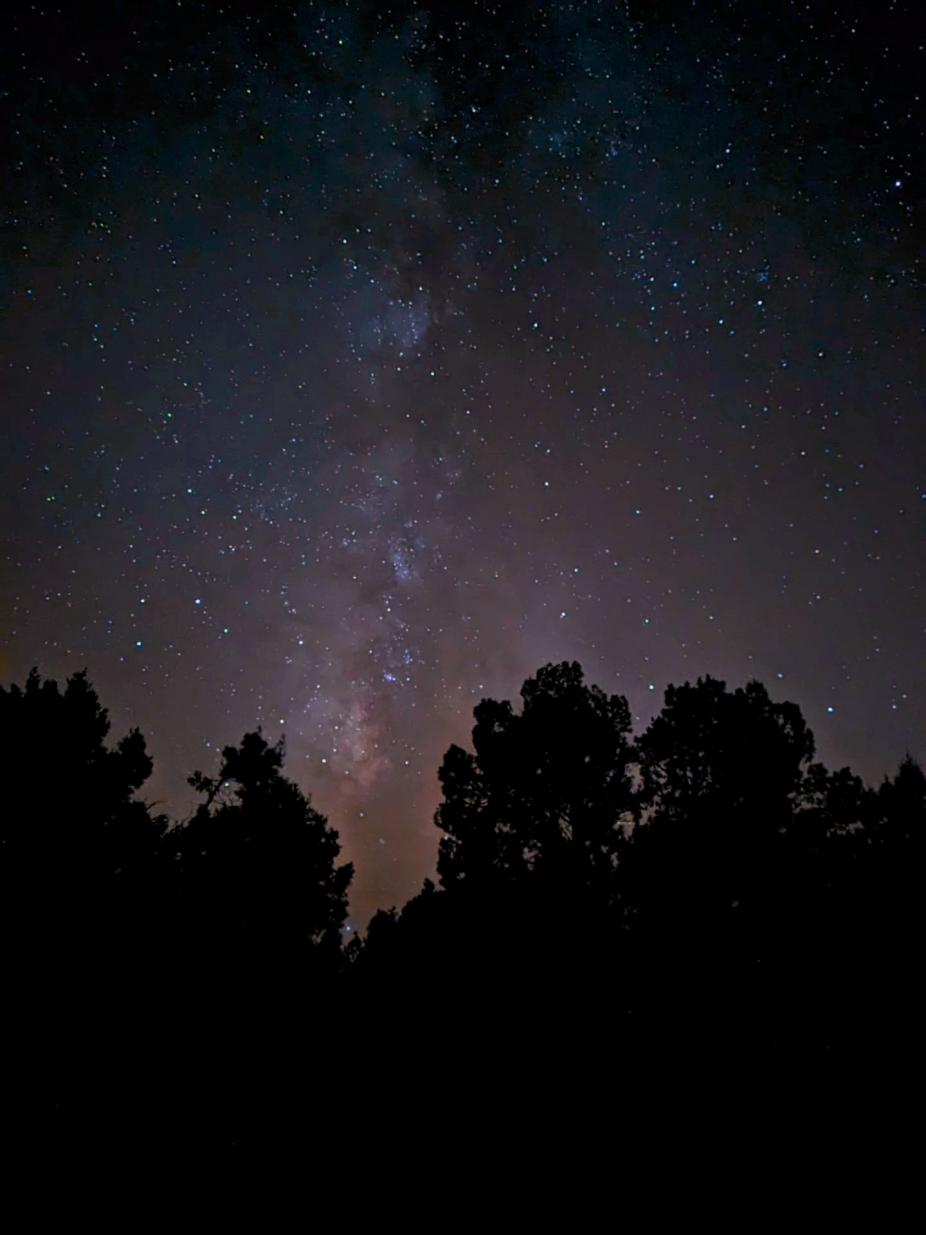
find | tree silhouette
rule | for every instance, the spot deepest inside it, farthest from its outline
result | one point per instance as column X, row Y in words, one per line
column 79, row 897
column 902, row 805
column 77, row 848
column 546, row 791
column 885, row 898
column 258, row 884
column 533, row 820
column 721, row 779
column 709, row 885
column 710, row 877
column 711, row 751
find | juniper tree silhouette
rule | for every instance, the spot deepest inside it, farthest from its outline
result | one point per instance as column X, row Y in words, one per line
column 79, row 900
column 257, row 885
column 884, row 901
column 709, row 877
column 77, row 847
column 722, row 773
column 858, row 919
column 532, row 822
column 545, row 792
column 756, row 897
column 258, row 901
column 902, row 806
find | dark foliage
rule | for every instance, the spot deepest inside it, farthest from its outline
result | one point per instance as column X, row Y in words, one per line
column 706, row 895
column 76, row 846
column 256, row 884
column 707, row 889
column 544, row 794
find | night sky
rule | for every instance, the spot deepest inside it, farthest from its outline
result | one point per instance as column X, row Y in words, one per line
column 358, row 359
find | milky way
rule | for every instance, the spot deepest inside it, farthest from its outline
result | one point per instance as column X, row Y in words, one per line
column 359, row 359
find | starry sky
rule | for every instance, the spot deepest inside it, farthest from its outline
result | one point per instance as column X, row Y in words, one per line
column 360, row 358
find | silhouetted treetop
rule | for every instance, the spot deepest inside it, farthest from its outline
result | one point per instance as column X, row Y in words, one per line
column 709, row 887
column 711, row 750
column 258, row 864
column 70, row 810
column 902, row 802
column 545, row 791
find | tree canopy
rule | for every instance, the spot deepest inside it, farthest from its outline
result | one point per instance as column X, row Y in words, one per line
column 257, row 864
column 545, row 791
column 705, row 881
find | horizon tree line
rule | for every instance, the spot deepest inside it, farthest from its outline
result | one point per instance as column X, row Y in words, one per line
column 606, row 907
column 715, row 821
